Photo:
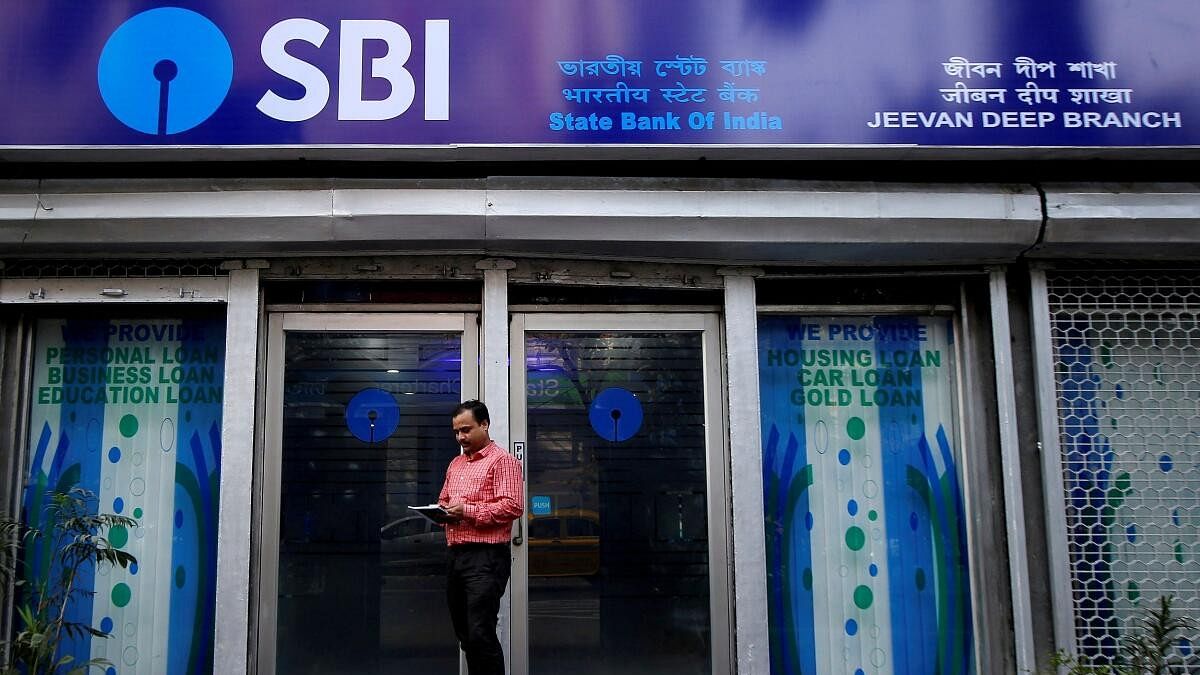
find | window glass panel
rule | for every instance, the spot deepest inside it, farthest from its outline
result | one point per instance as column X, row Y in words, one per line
column 619, row 576
column 867, row 564
column 130, row 410
column 366, row 433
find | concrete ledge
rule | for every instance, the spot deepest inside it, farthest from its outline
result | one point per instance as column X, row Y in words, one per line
column 1146, row 221
column 635, row 219
column 831, row 225
column 221, row 222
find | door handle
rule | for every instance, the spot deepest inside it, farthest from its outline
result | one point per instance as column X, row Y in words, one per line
column 520, row 538
column 519, row 453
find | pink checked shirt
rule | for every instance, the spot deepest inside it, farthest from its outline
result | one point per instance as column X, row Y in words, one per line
column 489, row 484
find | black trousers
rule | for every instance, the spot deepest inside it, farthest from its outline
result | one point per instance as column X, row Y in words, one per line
column 476, row 577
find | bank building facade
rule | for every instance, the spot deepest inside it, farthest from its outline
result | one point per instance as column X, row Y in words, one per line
column 830, row 339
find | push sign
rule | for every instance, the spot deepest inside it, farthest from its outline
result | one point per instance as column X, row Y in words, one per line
column 540, row 505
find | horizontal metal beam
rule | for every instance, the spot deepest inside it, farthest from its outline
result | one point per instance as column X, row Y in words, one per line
column 1155, row 221
column 629, row 219
column 114, row 290
column 250, row 220
column 843, row 224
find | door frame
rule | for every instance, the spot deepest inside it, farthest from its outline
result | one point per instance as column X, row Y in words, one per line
column 271, row 452
column 716, row 460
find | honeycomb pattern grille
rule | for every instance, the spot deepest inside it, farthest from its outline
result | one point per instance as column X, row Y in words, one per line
column 1127, row 369
column 116, row 269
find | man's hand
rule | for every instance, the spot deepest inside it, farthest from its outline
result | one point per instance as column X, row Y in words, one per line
column 456, row 510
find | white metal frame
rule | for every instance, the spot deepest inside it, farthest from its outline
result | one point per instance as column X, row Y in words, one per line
column 1061, row 594
column 717, row 462
column 968, row 429
column 1010, row 453
column 975, row 432
column 231, row 643
column 753, row 631
column 493, row 377
column 271, row 452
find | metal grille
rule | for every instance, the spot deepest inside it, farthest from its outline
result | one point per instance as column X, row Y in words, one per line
column 113, row 269
column 1127, row 369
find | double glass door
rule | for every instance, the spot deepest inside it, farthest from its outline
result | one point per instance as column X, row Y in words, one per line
column 619, row 560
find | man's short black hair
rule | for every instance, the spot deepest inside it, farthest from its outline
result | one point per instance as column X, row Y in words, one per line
column 477, row 409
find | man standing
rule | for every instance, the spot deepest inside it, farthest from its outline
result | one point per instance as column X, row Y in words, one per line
column 483, row 495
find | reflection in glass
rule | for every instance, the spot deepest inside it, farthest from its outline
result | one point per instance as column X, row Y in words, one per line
column 617, row 515
column 366, row 433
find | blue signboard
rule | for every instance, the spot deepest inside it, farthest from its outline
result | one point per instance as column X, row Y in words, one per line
column 1024, row 73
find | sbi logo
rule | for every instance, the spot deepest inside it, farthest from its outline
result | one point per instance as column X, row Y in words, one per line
column 167, row 70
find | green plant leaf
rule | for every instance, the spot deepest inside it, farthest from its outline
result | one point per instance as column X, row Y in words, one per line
column 80, row 538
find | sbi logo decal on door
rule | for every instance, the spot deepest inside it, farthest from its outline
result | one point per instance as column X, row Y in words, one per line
column 167, row 70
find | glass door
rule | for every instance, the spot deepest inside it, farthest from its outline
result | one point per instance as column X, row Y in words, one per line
column 621, row 562
column 358, row 430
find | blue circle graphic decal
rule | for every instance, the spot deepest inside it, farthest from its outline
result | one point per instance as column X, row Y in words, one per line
column 165, row 70
column 616, row 414
column 372, row 415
